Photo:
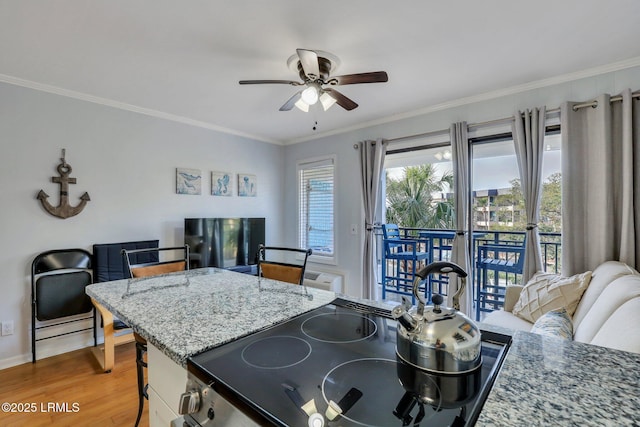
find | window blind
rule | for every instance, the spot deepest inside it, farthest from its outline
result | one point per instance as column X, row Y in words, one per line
column 316, row 208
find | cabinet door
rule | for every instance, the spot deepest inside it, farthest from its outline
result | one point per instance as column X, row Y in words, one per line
column 167, row 381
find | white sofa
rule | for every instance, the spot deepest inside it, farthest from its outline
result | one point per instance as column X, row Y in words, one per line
column 608, row 314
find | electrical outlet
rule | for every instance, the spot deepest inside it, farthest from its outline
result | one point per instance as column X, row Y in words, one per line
column 7, row 328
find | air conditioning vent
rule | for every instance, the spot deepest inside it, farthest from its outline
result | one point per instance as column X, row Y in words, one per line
column 323, row 280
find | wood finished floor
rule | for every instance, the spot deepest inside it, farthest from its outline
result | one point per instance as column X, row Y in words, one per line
column 75, row 377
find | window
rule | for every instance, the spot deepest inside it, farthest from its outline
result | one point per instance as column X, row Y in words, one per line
column 498, row 203
column 418, row 187
column 316, row 201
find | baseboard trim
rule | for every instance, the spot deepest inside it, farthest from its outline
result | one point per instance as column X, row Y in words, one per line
column 52, row 347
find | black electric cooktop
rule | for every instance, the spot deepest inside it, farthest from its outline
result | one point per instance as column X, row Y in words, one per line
column 345, row 353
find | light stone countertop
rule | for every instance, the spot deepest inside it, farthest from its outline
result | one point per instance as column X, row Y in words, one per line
column 548, row 381
column 543, row 382
column 186, row 313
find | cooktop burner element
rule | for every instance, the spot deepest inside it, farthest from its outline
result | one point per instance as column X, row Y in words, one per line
column 367, row 374
column 276, row 352
column 336, row 364
column 339, row 327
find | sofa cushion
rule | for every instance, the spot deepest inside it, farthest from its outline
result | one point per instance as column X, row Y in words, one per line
column 620, row 330
column 611, row 299
column 546, row 291
column 555, row 323
column 506, row 319
column 511, row 296
column 604, row 274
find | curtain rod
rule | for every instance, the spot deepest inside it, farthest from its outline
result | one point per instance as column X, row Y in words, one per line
column 594, row 103
column 505, row 120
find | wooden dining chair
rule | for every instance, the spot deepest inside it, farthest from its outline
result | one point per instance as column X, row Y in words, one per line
column 109, row 265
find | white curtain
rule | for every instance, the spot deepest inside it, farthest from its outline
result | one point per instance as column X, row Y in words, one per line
column 372, row 155
column 600, row 183
column 528, row 136
column 460, row 247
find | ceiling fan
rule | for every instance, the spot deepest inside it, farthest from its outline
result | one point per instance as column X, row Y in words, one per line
column 314, row 68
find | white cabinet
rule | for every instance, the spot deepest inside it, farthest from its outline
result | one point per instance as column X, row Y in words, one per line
column 167, row 381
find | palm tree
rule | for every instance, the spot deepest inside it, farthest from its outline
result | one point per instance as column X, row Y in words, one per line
column 410, row 200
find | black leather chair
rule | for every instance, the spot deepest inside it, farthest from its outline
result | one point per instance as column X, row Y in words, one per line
column 58, row 279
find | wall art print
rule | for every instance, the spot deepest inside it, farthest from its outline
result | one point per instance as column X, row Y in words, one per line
column 188, row 181
column 247, row 185
column 221, row 183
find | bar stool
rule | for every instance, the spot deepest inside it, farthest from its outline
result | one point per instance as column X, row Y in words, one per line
column 141, row 350
column 148, row 269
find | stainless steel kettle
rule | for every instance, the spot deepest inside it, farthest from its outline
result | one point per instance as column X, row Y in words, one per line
column 437, row 338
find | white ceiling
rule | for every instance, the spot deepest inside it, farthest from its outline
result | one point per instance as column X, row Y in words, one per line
column 183, row 59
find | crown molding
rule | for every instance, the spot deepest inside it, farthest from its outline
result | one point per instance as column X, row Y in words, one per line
column 590, row 72
column 127, row 107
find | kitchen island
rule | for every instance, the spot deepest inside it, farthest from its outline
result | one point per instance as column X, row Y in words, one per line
column 544, row 381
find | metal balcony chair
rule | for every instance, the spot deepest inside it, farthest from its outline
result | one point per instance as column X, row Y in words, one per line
column 139, row 269
column 287, row 264
column 405, row 257
column 506, row 259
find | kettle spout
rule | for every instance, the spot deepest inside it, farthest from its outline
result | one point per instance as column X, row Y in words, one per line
column 404, row 318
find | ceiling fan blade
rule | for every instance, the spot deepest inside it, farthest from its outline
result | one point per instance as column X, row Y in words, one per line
column 341, row 100
column 291, row 102
column 350, row 79
column 261, row 82
column 309, row 61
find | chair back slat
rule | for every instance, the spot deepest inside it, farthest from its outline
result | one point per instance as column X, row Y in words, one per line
column 391, row 234
column 147, row 269
column 283, row 270
column 158, row 269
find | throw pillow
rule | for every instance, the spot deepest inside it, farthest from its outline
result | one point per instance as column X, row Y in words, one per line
column 547, row 291
column 555, row 323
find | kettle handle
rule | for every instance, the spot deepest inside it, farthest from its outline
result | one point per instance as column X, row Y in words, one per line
column 444, row 267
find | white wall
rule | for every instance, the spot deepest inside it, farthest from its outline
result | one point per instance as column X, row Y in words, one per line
column 126, row 162
column 349, row 203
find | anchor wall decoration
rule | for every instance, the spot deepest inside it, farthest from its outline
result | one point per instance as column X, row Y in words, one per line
column 64, row 209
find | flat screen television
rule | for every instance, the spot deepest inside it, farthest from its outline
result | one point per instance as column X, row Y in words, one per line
column 223, row 242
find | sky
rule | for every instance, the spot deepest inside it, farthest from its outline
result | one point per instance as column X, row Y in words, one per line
column 494, row 164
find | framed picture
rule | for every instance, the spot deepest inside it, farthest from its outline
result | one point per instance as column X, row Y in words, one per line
column 247, row 185
column 221, row 184
column 188, row 181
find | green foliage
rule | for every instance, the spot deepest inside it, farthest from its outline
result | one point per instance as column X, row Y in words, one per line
column 550, row 217
column 410, row 202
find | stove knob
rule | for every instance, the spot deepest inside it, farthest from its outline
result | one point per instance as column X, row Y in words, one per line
column 211, row 414
column 316, row 420
column 189, row 402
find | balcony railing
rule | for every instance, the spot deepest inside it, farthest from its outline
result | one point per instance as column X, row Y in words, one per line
column 496, row 263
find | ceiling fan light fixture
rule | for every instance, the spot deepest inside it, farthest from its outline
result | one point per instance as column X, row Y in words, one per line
column 326, row 100
column 310, row 95
column 303, row 106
